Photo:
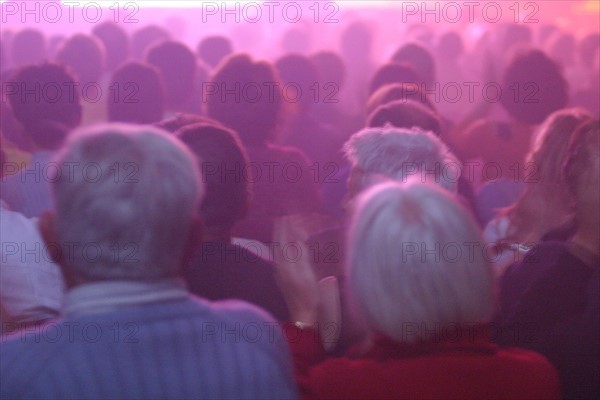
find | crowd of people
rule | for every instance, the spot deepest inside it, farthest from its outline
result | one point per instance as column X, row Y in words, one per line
column 199, row 223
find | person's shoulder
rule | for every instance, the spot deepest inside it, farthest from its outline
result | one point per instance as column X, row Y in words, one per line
column 239, row 311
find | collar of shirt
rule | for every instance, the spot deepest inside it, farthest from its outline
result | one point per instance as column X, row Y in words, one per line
column 107, row 296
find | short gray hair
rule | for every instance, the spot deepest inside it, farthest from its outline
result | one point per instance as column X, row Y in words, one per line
column 399, row 153
column 125, row 199
column 415, row 260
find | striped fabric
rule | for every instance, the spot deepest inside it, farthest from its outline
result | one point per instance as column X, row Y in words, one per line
column 185, row 349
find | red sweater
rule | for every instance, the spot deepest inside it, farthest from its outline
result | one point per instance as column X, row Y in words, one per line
column 470, row 367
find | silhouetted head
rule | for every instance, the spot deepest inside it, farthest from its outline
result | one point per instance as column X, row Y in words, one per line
column 222, row 161
column 177, row 66
column 45, row 100
column 28, row 47
column 116, row 43
column 398, row 91
column 213, row 49
column 533, row 87
column 144, row 38
column 300, row 76
column 394, row 73
column 405, row 114
column 330, row 66
column 137, row 94
column 419, row 58
column 245, row 96
column 84, row 54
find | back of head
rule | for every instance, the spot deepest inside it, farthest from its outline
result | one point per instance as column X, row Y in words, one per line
column 299, row 72
column 28, row 47
column 398, row 91
column 177, row 66
column 533, row 87
column 46, row 102
column 222, row 161
column 84, row 54
column 415, row 263
column 401, row 153
column 405, row 114
column 144, row 38
column 450, row 46
column 126, row 197
column 394, row 72
column 549, row 151
column 419, row 58
column 213, row 49
column 246, row 98
column 137, row 94
column 330, row 67
column 116, row 43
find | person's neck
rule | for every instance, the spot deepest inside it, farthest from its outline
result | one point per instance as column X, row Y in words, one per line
column 214, row 234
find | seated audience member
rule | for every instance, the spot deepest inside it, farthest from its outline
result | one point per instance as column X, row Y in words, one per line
column 152, row 337
column 213, row 49
column 282, row 181
column 394, row 73
column 420, row 59
column 31, row 285
column 144, row 38
column 302, row 130
column 374, row 154
column 84, row 55
column 550, row 301
column 222, row 269
column 398, row 91
column 116, row 43
column 542, row 91
column 544, row 205
column 426, row 313
column 28, row 46
column 177, row 66
column 137, row 94
column 46, row 122
column 405, row 114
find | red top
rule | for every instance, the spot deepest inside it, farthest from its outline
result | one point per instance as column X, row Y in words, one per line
column 466, row 366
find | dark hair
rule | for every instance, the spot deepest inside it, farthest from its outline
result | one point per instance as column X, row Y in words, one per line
column 419, row 58
column 299, row 70
column 137, row 94
column 145, row 37
column 213, row 49
column 84, row 54
column 116, row 43
column 533, row 87
column 330, row 66
column 222, row 162
column 254, row 118
column 55, row 108
column 398, row 91
column 405, row 114
column 394, row 73
column 28, row 47
column 177, row 66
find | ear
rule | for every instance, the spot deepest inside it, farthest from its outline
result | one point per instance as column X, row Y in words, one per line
column 47, row 229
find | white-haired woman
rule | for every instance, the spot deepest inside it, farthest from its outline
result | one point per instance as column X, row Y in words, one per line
column 417, row 276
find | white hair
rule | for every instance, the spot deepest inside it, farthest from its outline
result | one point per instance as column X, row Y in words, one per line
column 125, row 198
column 416, row 262
column 399, row 153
